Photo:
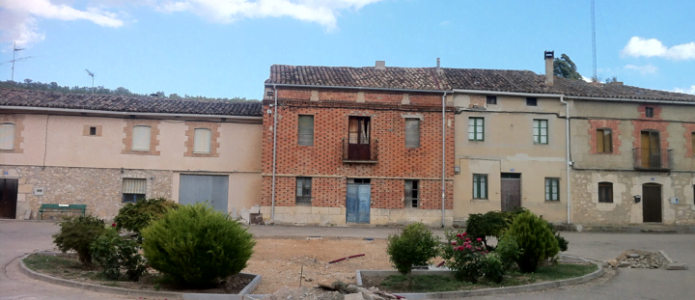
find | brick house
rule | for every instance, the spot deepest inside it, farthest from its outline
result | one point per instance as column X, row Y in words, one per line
column 356, row 145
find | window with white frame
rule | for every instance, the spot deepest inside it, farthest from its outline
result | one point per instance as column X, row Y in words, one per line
column 552, row 189
column 476, row 129
column 7, row 136
column 201, row 144
column 540, row 131
column 479, row 186
column 141, row 138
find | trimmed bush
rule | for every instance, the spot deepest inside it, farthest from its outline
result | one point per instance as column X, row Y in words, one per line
column 536, row 241
column 507, row 250
column 77, row 233
column 490, row 224
column 196, row 244
column 413, row 247
column 561, row 241
column 112, row 253
column 136, row 216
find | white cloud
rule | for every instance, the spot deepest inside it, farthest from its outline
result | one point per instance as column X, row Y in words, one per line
column 638, row 47
column 18, row 19
column 646, row 69
column 323, row 12
column 690, row 90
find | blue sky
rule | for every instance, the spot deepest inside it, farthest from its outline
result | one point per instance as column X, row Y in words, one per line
column 224, row 48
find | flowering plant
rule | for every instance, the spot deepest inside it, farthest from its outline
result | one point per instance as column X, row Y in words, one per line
column 465, row 256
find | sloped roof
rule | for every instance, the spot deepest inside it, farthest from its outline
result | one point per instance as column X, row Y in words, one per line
column 519, row 81
column 134, row 104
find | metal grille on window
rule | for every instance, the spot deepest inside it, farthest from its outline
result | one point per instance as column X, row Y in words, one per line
column 552, row 189
column 412, row 133
column 7, row 136
column 303, row 191
column 306, row 131
column 605, row 192
column 141, row 138
column 476, row 129
column 479, row 186
column 540, row 131
column 604, row 141
column 412, row 193
column 202, row 139
column 134, row 189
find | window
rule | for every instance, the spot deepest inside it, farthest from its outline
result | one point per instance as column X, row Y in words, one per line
column 134, row 189
column 359, row 180
column 306, row 131
column 692, row 140
column 605, row 192
column 531, row 101
column 649, row 112
column 540, row 131
column 92, row 131
column 7, row 136
column 552, row 189
column 476, row 129
column 604, row 141
column 491, row 100
column 412, row 193
column 412, row 133
column 479, row 186
column 141, row 138
column 303, row 191
column 201, row 143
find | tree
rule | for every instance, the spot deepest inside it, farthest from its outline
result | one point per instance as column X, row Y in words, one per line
column 613, row 79
column 564, row 67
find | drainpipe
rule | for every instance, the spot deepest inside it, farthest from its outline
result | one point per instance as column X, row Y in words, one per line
column 567, row 158
column 275, row 143
column 443, row 158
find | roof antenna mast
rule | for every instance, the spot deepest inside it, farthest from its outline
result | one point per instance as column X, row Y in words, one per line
column 593, row 37
column 91, row 74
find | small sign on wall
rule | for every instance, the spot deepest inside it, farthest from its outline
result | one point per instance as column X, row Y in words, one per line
column 38, row 191
column 674, row 200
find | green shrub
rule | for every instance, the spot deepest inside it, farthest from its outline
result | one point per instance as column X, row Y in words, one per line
column 112, row 252
column 561, row 241
column 465, row 256
column 196, row 244
column 507, row 250
column 490, row 224
column 77, row 233
column 536, row 241
column 414, row 246
column 136, row 216
column 493, row 267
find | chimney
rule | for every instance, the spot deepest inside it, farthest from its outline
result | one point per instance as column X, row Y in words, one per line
column 380, row 65
column 549, row 57
column 437, row 63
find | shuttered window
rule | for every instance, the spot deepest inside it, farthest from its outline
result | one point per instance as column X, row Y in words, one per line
column 306, row 131
column 141, row 138
column 476, row 129
column 540, row 131
column 412, row 193
column 479, row 186
column 303, row 191
column 412, row 133
column 552, row 189
column 202, row 140
column 604, row 141
column 7, row 136
column 605, row 192
column 134, row 189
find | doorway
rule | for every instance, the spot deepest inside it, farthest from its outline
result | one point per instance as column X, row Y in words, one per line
column 8, row 198
column 358, row 201
column 511, row 191
column 651, row 150
column 201, row 188
column 359, row 138
column 651, row 203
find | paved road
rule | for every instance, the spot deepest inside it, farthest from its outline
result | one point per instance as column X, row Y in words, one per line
column 18, row 238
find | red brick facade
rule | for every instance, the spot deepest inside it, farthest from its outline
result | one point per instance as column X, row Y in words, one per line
column 689, row 132
column 323, row 161
column 613, row 125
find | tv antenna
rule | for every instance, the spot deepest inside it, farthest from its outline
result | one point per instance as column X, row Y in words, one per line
column 91, row 74
column 14, row 58
column 593, row 37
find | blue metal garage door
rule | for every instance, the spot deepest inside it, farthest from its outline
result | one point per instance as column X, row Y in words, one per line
column 201, row 188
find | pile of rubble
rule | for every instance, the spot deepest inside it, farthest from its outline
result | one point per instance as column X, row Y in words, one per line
column 337, row 290
column 638, row 259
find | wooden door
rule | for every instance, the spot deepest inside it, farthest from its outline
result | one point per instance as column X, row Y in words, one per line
column 651, row 203
column 8, row 198
column 359, row 138
column 651, row 150
column 511, row 191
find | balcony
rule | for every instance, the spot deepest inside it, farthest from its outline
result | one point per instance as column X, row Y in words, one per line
column 652, row 159
column 360, row 153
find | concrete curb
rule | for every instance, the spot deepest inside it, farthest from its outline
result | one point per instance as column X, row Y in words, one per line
column 662, row 229
column 494, row 291
column 131, row 292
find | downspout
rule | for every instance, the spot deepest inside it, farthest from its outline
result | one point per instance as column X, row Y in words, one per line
column 567, row 158
column 443, row 159
column 275, row 142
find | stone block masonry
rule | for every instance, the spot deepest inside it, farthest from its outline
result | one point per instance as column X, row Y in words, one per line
column 100, row 189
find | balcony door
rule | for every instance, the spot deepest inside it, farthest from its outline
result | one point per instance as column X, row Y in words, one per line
column 651, row 151
column 359, row 138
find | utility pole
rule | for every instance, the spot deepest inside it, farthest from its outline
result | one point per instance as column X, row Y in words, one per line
column 593, row 37
column 14, row 52
column 91, row 74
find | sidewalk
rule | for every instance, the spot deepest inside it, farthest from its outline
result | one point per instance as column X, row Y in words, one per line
column 281, row 231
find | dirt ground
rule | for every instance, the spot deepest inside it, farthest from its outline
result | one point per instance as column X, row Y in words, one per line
column 280, row 261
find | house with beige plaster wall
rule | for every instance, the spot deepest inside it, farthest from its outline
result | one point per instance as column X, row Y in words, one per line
column 106, row 151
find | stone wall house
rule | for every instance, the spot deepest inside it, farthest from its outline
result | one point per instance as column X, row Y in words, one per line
column 105, row 151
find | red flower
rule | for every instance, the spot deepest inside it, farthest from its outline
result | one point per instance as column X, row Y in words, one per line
column 468, row 239
column 465, row 234
column 113, row 225
column 453, row 243
column 479, row 239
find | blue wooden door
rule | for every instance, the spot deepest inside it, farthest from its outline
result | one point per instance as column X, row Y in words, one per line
column 352, row 203
column 364, row 194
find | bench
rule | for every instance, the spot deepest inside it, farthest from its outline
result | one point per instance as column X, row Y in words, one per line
column 61, row 208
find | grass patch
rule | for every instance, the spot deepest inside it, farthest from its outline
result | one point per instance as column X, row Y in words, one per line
column 443, row 283
column 50, row 263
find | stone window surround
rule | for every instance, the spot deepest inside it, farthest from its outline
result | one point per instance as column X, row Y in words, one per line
column 128, row 140
column 85, row 132
column 214, row 139
column 18, row 121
